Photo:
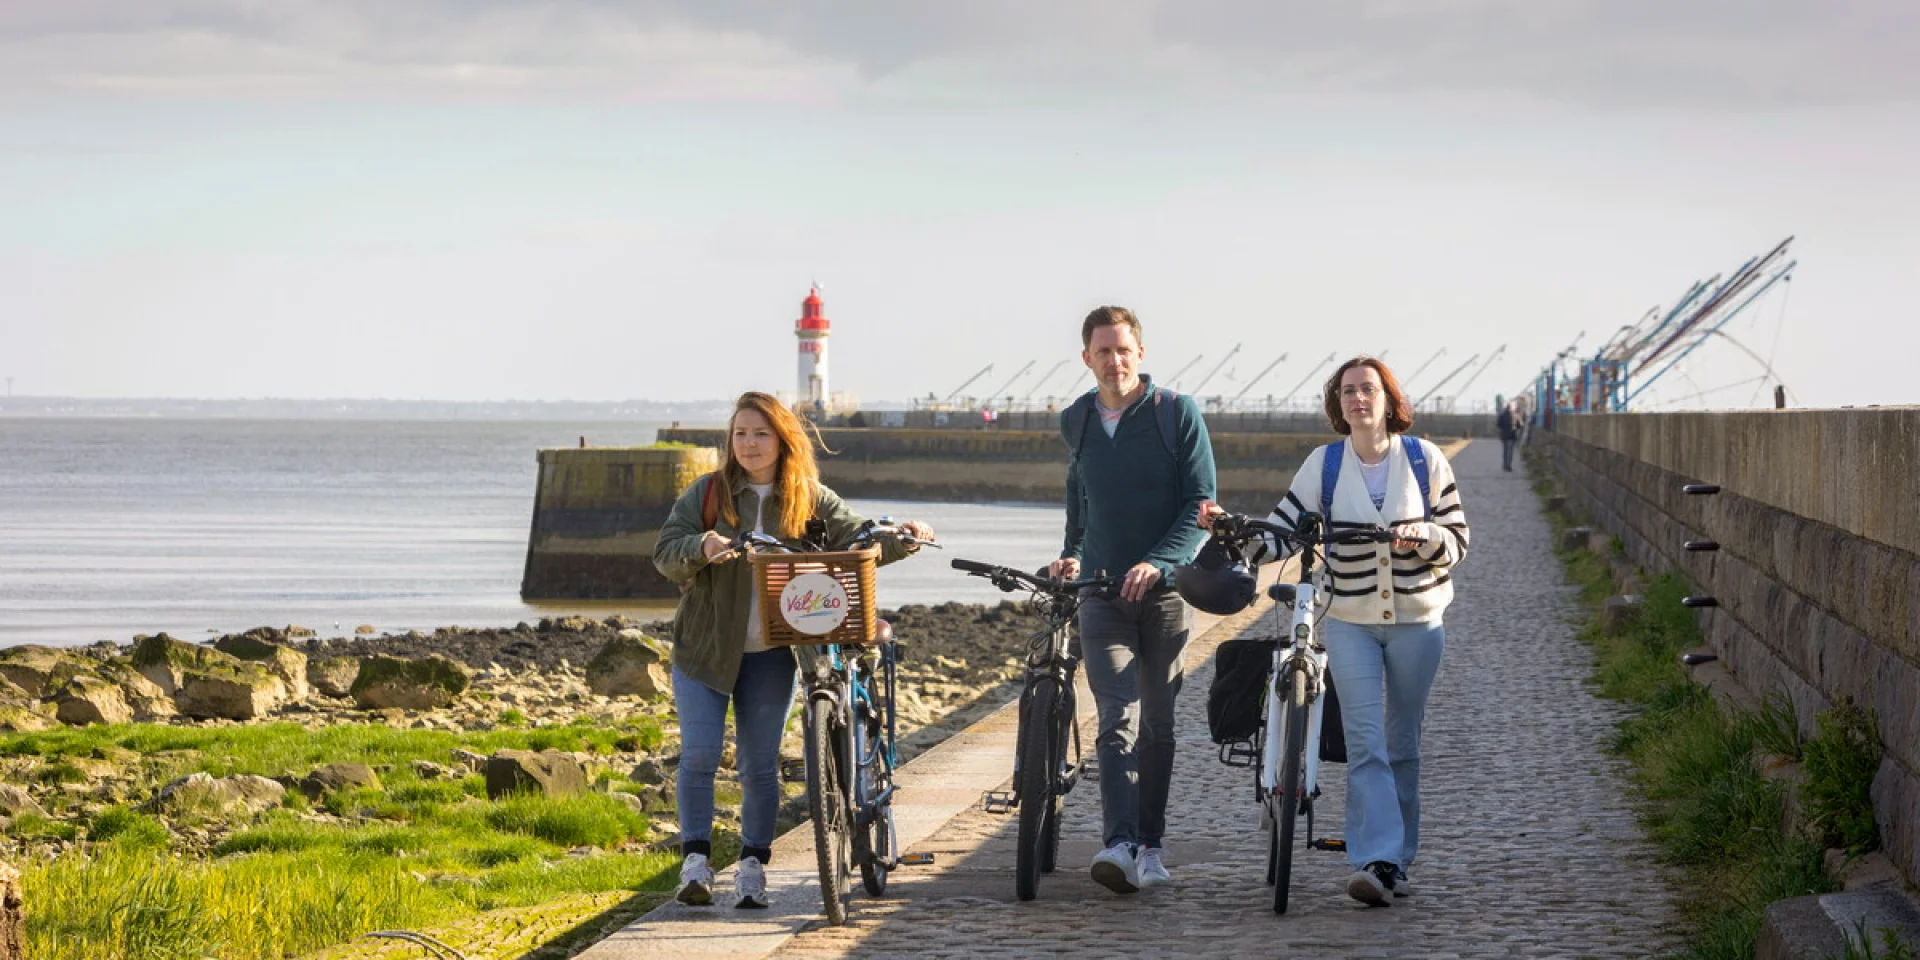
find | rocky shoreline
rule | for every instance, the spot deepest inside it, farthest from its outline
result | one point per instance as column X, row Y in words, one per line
column 567, row 673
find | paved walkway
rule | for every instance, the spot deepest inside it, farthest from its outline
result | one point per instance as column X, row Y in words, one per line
column 1530, row 847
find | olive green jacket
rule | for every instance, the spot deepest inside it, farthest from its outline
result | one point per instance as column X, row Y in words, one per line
column 710, row 626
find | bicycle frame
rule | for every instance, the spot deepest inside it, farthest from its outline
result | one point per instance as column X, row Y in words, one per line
column 843, row 681
column 1298, row 649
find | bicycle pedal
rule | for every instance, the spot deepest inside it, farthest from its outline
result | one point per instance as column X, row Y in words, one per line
column 998, row 801
column 916, row 860
column 1239, row 753
column 794, row 770
column 1333, row 846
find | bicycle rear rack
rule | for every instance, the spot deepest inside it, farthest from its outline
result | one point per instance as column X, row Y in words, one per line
column 999, row 801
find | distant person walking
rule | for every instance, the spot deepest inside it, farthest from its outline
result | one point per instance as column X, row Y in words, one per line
column 768, row 482
column 1510, row 423
column 1140, row 467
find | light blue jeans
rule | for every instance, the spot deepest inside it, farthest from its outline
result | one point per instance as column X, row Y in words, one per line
column 762, row 694
column 1384, row 673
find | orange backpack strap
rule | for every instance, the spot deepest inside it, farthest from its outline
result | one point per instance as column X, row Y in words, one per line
column 710, row 503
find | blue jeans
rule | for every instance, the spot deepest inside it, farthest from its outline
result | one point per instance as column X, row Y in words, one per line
column 761, row 697
column 1134, row 656
column 1383, row 732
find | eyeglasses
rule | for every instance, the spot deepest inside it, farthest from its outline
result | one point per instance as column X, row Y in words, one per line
column 1365, row 390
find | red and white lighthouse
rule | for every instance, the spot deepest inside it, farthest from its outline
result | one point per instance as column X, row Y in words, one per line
column 812, row 330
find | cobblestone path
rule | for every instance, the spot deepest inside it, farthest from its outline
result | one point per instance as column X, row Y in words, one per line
column 1529, row 846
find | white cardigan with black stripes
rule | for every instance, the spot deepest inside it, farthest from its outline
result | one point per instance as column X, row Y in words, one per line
column 1350, row 582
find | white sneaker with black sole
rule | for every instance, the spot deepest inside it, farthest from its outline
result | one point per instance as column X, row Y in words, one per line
column 696, row 881
column 1151, row 871
column 750, row 884
column 1115, row 869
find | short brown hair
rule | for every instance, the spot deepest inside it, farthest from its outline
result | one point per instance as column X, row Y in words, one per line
column 1109, row 317
column 1399, row 411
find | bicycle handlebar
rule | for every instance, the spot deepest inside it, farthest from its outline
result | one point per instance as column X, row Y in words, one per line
column 1008, row 579
column 869, row 532
column 1309, row 530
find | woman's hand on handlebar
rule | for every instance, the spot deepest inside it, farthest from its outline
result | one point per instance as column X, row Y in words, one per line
column 1410, row 536
column 918, row 531
column 1065, row 568
column 716, row 548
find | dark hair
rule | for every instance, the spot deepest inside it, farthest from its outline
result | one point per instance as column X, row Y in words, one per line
column 1399, row 411
column 1109, row 317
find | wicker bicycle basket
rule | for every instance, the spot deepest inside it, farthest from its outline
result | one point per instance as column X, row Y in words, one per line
column 801, row 616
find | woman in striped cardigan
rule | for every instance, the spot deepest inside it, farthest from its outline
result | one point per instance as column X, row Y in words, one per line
column 1382, row 623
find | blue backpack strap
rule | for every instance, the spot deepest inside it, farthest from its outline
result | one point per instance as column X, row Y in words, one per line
column 1417, row 459
column 1330, row 477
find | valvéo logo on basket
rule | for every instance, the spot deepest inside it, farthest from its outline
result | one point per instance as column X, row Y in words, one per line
column 813, row 603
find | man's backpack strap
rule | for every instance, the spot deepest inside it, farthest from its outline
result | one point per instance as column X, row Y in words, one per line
column 1166, row 415
column 1073, row 423
column 1330, row 477
column 1417, row 459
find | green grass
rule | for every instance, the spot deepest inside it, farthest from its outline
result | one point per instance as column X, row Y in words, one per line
column 1842, row 759
column 288, row 886
column 1705, row 803
column 435, row 851
column 280, row 748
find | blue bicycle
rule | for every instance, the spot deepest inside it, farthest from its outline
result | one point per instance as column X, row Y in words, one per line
column 849, row 676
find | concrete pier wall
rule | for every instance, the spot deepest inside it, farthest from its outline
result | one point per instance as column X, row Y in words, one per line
column 596, row 514
column 1818, row 571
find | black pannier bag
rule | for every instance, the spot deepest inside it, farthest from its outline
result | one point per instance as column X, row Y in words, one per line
column 1333, row 735
column 1235, row 700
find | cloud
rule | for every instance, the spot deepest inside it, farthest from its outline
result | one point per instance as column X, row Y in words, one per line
column 1717, row 54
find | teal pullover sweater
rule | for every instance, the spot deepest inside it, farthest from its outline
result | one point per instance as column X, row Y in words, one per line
column 1128, row 498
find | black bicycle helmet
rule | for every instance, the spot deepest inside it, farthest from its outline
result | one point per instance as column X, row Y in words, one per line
column 1218, row 581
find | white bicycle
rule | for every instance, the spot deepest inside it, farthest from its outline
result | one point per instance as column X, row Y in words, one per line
column 1286, row 771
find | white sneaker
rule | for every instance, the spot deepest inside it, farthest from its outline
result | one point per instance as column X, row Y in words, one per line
column 1372, row 884
column 750, row 884
column 696, row 881
column 1114, row 868
column 1152, row 872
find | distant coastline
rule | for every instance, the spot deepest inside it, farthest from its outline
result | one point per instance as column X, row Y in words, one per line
column 691, row 413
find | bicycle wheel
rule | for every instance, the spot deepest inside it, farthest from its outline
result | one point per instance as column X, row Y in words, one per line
column 1287, row 801
column 1035, row 789
column 827, row 805
column 1063, row 733
column 874, row 842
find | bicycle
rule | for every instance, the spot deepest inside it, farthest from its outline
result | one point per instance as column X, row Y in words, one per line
column 849, row 729
column 1043, row 771
column 1286, row 771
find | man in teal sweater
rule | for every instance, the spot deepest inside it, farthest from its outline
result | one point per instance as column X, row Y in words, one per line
column 1141, row 466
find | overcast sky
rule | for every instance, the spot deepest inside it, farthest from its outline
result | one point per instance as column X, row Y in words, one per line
column 476, row 199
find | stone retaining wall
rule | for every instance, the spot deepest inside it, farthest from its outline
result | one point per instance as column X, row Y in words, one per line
column 1818, row 571
column 596, row 514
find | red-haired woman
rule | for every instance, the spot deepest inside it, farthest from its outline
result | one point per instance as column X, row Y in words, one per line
column 768, row 483
column 1383, row 625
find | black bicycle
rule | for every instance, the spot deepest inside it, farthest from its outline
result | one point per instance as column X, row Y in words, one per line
column 1047, row 760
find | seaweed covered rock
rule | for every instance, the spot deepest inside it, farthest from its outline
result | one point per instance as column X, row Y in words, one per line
column 333, row 676
column 524, row 771
column 428, row 683
column 42, row 671
column 242, row 691
column 632, row 664
column 165, row 660
column 88, row 699
column 287, row 664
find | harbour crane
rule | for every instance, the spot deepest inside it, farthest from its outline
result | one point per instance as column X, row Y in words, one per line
column 1309, row 376
column 1216, row 369
column 969, row 382
column 1256, row 379
column 1010, row 382
column 1408, row 381
column 1037, row 384
column 1483, row 369
column 1443, row 381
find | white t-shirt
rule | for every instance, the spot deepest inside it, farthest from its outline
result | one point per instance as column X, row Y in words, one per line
column 756, row 631
column 1109, row 419
column 1375, row 474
